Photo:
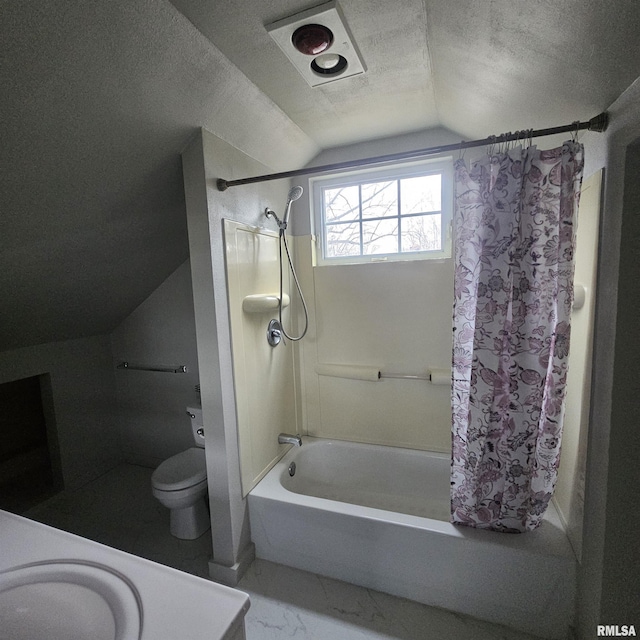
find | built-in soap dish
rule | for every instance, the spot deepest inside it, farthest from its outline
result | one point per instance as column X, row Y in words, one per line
column 263, row 302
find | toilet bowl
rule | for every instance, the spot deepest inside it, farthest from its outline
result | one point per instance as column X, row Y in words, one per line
column 180, row 484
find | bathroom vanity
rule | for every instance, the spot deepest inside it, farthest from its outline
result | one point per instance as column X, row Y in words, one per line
column 54, row 584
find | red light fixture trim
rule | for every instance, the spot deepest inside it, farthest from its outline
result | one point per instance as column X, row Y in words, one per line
column 312, row 39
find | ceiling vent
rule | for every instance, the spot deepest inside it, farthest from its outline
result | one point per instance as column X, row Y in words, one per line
column 319, row 44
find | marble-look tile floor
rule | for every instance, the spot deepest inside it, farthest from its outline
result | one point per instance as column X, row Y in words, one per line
column 289, row 603
column 119, row 510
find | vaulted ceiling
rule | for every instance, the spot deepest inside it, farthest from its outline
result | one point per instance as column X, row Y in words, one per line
column 477, row 67
column 99, row 98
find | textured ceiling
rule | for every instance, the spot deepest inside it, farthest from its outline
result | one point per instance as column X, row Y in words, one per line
column 98, row 101
column 99, row 98
column 478, row 67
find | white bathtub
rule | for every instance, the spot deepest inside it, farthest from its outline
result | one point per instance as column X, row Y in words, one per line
column 378, row 517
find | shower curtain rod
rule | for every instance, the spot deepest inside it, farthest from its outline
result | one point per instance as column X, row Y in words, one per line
column 599, row 124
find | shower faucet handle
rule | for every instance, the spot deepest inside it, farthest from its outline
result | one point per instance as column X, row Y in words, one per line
column 274, row 333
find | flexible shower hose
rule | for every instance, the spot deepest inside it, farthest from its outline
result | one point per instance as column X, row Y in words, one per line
column 283, row 240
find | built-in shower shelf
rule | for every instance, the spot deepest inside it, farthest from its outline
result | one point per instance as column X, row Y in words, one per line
column 263, row 302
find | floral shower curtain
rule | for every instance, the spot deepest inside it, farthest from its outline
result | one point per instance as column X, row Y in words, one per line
column 514, row 241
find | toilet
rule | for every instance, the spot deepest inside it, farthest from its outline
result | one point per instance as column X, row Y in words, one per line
column 180, row 484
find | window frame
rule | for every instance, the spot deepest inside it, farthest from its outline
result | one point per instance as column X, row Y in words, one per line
column 442, row 165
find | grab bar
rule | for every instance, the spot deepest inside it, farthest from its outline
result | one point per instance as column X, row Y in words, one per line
column 373, row 374
column 434, row 376
column 182, row 368
column 403, row 376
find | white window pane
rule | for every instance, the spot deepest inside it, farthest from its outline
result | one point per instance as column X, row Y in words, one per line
column 400, row 212
column 341, row 204
column 342, row 240
column 422, row 233
column 379, row 236
column 380, row 199
column 421, row 194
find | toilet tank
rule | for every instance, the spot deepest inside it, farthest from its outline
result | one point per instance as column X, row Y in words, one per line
column 195, row 413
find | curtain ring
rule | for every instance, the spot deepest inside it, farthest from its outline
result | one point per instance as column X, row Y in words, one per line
column 491, row 145
column 574, row 133
column 497, row 142
column 506, row 141
column 461, row 150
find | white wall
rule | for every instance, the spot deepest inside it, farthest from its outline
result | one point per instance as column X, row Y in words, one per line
column 152, row 405
column 621, row 578
column 83, row 394
column 206, row 159
column 608, row 588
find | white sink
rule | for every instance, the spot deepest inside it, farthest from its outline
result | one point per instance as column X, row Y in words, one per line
column 67, row 599
column 58, row 586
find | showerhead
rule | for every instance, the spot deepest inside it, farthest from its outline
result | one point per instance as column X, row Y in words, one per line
column 294, row 194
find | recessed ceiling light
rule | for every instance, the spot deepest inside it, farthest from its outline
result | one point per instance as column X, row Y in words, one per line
column 329, row 64
column 328, row 60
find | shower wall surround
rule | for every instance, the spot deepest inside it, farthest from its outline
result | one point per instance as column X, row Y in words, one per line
column 395, row 316
column 569, row 493
column 263, row 375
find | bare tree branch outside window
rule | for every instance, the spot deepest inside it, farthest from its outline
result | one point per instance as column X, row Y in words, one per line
column 387, row 217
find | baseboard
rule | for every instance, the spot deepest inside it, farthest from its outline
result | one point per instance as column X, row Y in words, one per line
column 230, row 576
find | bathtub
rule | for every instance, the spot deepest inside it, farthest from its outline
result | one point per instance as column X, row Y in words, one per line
column 377, row 516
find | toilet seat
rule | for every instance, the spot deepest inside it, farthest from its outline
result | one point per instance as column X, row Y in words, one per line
column 181, row 471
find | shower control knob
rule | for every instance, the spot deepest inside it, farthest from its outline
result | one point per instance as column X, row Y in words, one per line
column 274, row 333
column 200, row 432
column 191, row 415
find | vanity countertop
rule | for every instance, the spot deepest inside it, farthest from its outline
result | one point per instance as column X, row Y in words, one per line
column 175, row 605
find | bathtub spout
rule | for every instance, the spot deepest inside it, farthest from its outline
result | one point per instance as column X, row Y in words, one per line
column 285, row 438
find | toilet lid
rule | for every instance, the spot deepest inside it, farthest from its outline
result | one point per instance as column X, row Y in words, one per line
column 183, row 470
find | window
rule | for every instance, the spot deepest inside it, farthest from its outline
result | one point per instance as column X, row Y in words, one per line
column 397, row 213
